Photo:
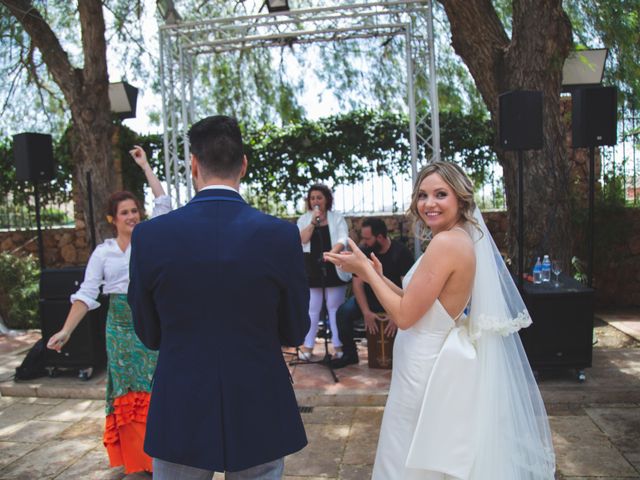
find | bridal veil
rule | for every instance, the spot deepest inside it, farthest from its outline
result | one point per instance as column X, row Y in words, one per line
column 513, row 435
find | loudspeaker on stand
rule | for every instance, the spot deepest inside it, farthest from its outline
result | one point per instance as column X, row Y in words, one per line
column 33, row 156
column 520, row 123
column 594, row 112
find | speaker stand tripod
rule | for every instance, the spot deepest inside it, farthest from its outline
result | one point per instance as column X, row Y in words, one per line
column 326, row 359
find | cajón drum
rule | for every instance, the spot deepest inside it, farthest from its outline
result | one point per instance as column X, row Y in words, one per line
column 379, row 345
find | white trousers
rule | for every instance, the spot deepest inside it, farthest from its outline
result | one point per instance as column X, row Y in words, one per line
column 334, row 298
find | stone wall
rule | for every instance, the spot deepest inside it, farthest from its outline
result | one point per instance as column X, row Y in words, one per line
column 63, row 247
column 617, row 258
column 617, row 262
column 616, row 278
column 400, row 226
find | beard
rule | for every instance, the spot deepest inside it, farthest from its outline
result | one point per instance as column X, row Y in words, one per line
column 376, row 247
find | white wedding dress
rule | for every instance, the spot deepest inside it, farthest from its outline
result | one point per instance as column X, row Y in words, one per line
column 419, row 353
column 463, row 402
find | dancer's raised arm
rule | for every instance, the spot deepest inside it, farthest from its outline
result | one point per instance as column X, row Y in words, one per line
column 140, row 157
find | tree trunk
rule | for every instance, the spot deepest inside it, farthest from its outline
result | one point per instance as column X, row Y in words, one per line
column 86, row 91
column 531, row 59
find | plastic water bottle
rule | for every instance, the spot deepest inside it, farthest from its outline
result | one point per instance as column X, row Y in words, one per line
column 537, row 272
column 546, row 269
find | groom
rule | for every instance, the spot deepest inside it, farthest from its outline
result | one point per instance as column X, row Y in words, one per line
column 217, row 287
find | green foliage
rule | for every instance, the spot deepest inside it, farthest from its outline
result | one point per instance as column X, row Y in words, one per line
column 344, row 148
column 55, row 216
column 341, row 148
column 133, row 178
column 16, row 207
column 257, row 84
column 613, row 24
column 251, row 83
column 17, row 211
column 265, row 202
column 612, row 190
column 19, row 217
column 612, row 222
column 612, row 225
column 580, row 270
column 284, row 161
column 30, row 100
column 19, row 291
column 468, row 140
column 56, row 191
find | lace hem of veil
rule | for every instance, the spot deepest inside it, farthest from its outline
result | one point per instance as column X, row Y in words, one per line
column 500, row 325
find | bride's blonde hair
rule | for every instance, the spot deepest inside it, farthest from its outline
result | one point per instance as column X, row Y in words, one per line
column 459, row 182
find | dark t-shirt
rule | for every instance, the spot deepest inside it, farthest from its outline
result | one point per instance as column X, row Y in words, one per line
column 396, row 262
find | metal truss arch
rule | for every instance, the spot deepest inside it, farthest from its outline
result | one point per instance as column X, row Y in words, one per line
column 182, row 43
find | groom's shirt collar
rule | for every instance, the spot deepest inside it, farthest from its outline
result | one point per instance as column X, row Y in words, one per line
column 219, row 187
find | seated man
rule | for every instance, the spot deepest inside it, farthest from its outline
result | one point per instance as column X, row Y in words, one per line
column 396, row 261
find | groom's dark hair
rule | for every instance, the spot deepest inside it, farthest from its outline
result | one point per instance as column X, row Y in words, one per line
column 216, row 142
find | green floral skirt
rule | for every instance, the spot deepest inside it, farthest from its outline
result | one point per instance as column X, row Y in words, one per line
column 130, row 365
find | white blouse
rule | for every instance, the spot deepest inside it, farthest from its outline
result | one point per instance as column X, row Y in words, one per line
column 109, row 266
column 338, row 233
column 338, row 228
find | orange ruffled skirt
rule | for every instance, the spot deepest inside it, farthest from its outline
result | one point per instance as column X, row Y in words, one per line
column 124, row 432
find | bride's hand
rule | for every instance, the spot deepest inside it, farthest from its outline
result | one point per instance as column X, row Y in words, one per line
column 377, row 266
column 353, row 262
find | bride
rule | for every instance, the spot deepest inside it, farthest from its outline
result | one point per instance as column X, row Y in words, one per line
column 463, row 403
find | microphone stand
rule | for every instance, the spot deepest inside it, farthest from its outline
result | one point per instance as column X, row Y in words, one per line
column 324, row 315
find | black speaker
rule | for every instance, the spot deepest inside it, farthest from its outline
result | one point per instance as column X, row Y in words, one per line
column 86, row 347
column 33, row 156
column 520, row 125
column 594, row 119
column 60, row 283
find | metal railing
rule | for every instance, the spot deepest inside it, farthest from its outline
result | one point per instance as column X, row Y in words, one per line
column 384, row 194
column 380, row 194
column 621, row 163
column 22, row 216
column 377, row 194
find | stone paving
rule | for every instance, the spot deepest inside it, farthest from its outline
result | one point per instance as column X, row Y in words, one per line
column 46, row 434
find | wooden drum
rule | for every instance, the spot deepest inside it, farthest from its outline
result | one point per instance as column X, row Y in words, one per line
column 380, row 346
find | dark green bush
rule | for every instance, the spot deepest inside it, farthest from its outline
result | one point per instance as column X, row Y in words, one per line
column 19, row 291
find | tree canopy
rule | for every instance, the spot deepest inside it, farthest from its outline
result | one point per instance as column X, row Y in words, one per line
column 256, row 84
column 613, row 24
column 484, row 48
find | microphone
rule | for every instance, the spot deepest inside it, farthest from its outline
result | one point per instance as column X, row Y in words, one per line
column 316, row 209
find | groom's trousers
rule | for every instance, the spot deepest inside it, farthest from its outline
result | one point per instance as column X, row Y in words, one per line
column 163, row 470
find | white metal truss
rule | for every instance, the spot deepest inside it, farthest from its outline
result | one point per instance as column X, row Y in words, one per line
column 182, row 43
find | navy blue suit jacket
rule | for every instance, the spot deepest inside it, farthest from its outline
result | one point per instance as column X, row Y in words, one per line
column 217, row 286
